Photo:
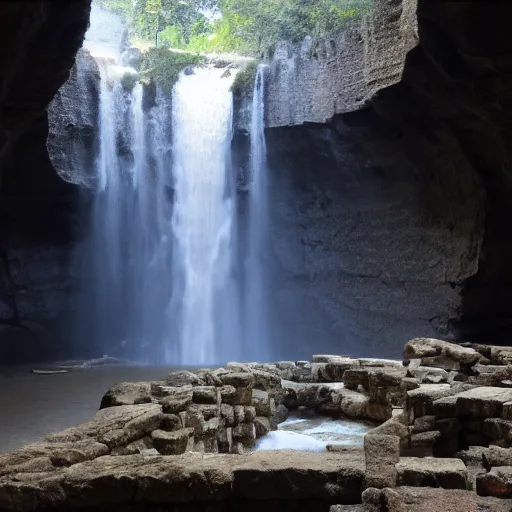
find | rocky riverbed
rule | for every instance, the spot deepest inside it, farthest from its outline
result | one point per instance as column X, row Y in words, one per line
column 438, row 431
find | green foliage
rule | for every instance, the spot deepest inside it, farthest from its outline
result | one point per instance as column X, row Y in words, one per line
column 164, row 66
column 245, row 78
column 244, row 26
column 129, row 80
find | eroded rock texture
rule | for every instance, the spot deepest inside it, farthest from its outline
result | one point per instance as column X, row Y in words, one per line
column 391, row 221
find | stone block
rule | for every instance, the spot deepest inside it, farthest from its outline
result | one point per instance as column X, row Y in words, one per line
column 279, row 416
column 249, row 413
column 445, row 407
column 207, row 410
column 171, row 422
column 353, row 378
column 227, row 413
column 239, row 414
column 237, row 379
column 245, row 433
column 497, row 482
column 429, row 375
column 184, row 378
column 441, row 354
column 506, row 411
column 495, row 456
column 262, row 426
column 225, row 439
column 419, row 402
column 498, row 430
column 175, row 406
column 382, row 452
column 172, row 443
column 432, row 472
column 261, row 402
column 266, row 380
column 483, row 402
column 205, row 395
column 335, row 369
column 422, row 444
column 423, row 424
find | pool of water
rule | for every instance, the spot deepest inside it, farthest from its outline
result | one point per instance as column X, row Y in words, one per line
column 32, row 406
column 308, row 432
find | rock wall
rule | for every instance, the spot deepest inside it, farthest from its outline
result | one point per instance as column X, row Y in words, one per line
column 36, row 206
column 389, row 218
column 317, row 79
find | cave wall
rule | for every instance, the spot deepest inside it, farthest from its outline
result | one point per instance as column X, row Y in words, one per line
column 391, row 221
column 38, row 41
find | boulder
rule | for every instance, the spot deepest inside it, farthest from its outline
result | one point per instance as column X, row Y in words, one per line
column 497, row 482
column 381, row 452
column 139, row 446
column 171, row 422
column 262, row 426
column 261, row 402
column 432, row 472
column 127, row 393
column 172, row 443
column 429, row 375
column 279, row 416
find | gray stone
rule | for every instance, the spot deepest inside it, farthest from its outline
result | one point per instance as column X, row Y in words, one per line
column 497, row 482
column 432, row 472
column 249, row 414
column 262, row 426
column 127, row 393
column 261, row 402
column 172, row 443
column 245, row 433
column 184, row 378
column 205, row 395
column 227, row 413
column 495, row 456
column 171, row 422
column 424, row 424
column 382, row 452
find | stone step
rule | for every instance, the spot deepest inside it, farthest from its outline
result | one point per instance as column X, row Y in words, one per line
column 432, row 472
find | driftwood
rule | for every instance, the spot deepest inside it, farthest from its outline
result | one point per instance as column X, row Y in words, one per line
column 48, row 372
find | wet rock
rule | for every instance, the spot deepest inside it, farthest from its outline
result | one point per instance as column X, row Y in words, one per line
column 382, row 452
column 262, row 426
column 279, row 416
column 497, row 482
column 432, row 472
column 127, row 393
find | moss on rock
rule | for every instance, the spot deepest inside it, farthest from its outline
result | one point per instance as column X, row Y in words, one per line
column 164, row 66
column 244, row 79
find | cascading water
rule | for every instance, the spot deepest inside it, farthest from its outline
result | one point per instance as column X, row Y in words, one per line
column 203, row 219
column 256, row 314
column 126, row 253
column 164, row 281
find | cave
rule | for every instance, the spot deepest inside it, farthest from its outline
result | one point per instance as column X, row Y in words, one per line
column 383, row 220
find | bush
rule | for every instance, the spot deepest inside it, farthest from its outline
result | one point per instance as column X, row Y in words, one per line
column 163, row 66
column 245, row 78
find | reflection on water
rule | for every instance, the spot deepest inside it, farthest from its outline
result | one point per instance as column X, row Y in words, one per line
column 307, row 432
column 35, row 405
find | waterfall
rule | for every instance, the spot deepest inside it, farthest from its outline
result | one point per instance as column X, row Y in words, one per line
column 203, row 219
column 126, row 254
column 256, row 313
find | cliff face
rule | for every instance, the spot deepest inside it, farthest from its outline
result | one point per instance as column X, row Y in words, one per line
column 389, row 217
column 390, row 174
column 39, row 41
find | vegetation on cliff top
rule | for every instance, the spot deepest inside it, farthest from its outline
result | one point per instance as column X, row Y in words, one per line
column 164, row 67
column 243, row 26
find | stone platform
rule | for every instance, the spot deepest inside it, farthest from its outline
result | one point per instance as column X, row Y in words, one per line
column 442, row 435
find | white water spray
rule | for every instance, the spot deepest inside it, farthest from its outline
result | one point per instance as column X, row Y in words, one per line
column 203, row 216
column 256, row 312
